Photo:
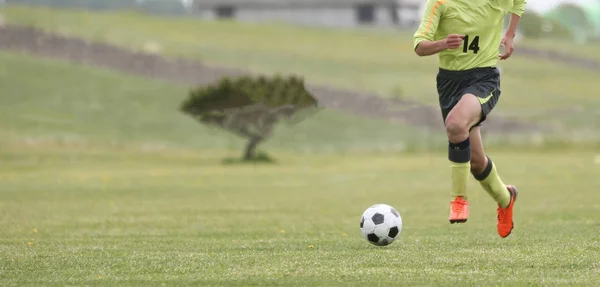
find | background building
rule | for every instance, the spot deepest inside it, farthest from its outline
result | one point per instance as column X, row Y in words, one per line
column 334, row 13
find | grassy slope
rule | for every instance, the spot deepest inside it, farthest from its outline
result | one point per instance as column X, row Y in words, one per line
column 380, row 62
column 589, row 51
column 82, row 202
column 118, row 109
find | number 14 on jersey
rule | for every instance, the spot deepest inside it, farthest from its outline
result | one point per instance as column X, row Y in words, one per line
column 471, row 46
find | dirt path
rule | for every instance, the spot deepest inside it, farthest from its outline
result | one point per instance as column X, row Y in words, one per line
column 33, row 41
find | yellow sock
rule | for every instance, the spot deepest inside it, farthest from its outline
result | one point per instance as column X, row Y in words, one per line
column 460, row 177
column 491, row 182
column 459, row 155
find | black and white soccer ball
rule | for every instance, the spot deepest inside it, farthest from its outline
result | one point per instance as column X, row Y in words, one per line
column 381, row 224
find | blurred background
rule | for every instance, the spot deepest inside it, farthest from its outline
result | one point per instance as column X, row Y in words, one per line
column 356, row 56
column 103, row 178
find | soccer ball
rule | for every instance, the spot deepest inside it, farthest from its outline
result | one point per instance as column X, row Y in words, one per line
column 381, row 224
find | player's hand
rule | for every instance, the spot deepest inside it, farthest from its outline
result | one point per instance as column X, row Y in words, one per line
column 508, row 45
column 453, row 41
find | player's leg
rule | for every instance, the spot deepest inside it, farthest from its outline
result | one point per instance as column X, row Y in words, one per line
column 478, row 156
column 464, row 115
column 485, row 172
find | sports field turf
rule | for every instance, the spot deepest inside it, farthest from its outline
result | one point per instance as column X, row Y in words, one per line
column 110, row 217
column 103, row 183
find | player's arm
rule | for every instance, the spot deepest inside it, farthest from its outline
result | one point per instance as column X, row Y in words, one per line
column 423, row 40
column 427, row 47
column 515, row 15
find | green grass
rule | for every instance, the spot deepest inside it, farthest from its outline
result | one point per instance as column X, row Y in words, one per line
column 103, row 182
column 106, row 108
column 589, row 50
column 121, row 217
column 382, row 62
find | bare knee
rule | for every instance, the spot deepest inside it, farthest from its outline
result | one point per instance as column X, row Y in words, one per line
column 456, row 128
column 465, row 114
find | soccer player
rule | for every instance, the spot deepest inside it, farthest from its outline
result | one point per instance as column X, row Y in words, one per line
column 467, row 35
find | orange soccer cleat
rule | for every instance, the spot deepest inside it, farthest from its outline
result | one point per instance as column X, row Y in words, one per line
column 505, row 215
column 459, row 210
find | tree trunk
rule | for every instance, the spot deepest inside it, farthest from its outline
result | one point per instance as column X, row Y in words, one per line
column 250, row 152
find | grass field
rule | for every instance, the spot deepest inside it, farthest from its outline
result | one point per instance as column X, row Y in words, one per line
column 103, row 182
column 101, row 216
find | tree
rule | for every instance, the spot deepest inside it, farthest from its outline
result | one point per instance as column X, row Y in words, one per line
column 250, row 106
column 574, row 18
column 534, row 25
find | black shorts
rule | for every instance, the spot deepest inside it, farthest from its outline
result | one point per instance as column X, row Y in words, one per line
column 484, row 83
